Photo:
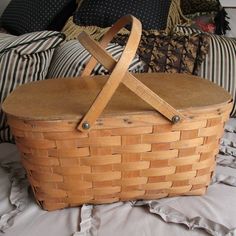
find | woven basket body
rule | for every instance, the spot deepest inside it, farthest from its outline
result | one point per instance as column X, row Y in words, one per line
column 148, row 161
column 131, row 151
column 137, row 155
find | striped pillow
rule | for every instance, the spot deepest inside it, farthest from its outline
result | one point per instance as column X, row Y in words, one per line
column 23, row 59
column 220, row 63
column 70, row 58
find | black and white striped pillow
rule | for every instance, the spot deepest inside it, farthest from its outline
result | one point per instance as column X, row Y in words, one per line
column 71, row 57
column 220, row 63
column 23, row 59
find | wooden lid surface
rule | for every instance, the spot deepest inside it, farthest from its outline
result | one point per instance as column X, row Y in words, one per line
column 71, row 98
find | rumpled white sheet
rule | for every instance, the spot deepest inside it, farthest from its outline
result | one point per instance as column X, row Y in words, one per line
column 18, row 193
column 227, row 155
column 89, row 224
column 19, row 213
column 213, row 213
column 169, row 214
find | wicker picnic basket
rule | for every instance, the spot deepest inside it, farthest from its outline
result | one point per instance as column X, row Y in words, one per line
column 86, row 140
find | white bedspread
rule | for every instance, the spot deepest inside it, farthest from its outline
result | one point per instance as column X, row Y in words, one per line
column 211, row 214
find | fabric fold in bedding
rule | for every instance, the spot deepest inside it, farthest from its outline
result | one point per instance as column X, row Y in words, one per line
column 227, row 156
column 229, row 139
column 88, row 224
column 224, row 179
column 18, row 193
column 170, row 215
column 227, row 160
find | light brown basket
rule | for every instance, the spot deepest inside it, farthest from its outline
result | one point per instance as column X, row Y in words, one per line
column 127, row 149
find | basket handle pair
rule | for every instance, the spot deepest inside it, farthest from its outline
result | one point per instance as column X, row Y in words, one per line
column 119, row 73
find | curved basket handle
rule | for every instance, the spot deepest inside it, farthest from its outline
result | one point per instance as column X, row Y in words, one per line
column 121, row 75
column 135, row 33
column 118, row 72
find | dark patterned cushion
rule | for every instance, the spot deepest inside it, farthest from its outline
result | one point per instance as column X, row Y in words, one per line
column 194, row 6
column 24, row 16
column 60, row 20
column 175, row 53
column 104, row 13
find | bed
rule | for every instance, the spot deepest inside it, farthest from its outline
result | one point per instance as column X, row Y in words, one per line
column 211, row 214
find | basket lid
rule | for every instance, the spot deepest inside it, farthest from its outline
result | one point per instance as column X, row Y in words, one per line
column 71, row 98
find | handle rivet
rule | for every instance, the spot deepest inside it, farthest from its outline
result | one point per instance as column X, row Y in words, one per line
column 85, row 125
column 175, row 119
